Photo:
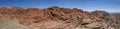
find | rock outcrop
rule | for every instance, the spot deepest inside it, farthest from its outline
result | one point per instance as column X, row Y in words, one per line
column 59, row 18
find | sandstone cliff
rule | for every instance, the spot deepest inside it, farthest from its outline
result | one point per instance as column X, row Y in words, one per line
column 59, row 18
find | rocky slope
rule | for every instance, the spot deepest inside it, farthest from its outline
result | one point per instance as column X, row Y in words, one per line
column 59, row 18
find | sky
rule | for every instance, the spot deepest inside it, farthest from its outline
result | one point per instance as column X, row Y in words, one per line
column 86, row 5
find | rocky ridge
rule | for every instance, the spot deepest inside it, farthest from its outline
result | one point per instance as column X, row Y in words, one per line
column 59, row 18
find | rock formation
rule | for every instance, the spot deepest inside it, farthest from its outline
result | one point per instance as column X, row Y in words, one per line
column 59, row 18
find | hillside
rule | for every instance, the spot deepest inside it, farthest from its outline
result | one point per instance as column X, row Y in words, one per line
column 117, row 15
column 58, row 18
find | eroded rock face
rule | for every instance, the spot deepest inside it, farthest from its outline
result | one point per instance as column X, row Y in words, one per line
column 59, row 18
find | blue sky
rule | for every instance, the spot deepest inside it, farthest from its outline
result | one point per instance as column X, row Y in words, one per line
column 87, row 5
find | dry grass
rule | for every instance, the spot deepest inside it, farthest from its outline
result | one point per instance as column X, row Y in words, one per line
column 10, row 24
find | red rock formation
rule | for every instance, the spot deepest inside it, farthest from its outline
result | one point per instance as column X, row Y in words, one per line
column 59, row 18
